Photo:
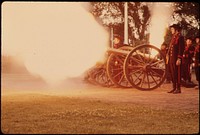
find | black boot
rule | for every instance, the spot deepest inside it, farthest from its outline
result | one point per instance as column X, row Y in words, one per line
column 178, row 90
column 174, row 88
column 171, row 91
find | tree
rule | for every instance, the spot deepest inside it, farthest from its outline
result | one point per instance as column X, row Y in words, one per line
column 112, row 15
column 139, row 17
column 108, row 12
column 187, row 14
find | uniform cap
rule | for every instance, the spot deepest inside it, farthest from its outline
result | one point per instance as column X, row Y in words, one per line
column 176, row 26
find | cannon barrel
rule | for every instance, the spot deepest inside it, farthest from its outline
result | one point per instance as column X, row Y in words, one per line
column 118, row 51
column 126, row 52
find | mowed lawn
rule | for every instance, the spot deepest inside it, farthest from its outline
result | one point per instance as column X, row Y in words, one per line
column 37, row 113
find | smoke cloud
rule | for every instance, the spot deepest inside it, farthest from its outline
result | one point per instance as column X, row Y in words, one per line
column 54, row 40
column 160, row 18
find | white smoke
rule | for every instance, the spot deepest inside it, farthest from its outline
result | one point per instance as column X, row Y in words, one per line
column 55, row 40
column 161, row 13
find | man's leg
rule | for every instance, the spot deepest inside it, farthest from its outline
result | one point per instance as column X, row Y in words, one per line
column 172, row 73
column 178, row 79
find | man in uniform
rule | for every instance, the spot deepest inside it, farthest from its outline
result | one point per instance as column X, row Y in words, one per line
column 117, row 41
column 188, row 55
column 196, row 57
column 174, row 56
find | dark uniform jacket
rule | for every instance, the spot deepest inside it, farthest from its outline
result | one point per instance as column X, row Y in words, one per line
column 196, row 55
column 188, row 54
column 176, row 48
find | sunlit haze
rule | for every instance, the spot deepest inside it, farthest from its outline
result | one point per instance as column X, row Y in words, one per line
column 160, row 18
column 55, row 40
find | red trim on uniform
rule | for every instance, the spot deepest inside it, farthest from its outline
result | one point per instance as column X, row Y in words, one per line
column 179, row 56
column 179, row 75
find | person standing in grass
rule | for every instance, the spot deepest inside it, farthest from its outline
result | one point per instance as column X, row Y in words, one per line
column 174, row 57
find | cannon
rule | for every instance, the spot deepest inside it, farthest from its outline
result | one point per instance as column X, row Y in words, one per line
column 97, row 75
column 142, row 67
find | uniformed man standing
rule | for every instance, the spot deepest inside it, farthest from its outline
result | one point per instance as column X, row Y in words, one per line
column 174, row 56
column 196, row 57
column 188, row 55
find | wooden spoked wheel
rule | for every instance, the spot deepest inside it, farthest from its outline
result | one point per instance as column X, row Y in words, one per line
column 100, row 77
column 145, row 68
column 115, row 70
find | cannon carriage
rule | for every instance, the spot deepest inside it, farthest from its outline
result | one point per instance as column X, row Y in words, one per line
column 142, row 67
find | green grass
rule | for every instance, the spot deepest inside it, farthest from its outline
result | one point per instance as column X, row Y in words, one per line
column 63, row 115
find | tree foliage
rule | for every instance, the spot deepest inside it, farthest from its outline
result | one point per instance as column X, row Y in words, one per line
column 187, row 14
column 187, row 9
column 112, row 15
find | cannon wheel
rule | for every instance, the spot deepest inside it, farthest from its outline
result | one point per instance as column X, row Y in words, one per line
column 100, row 76
column 114, row 68
column 145, row 67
